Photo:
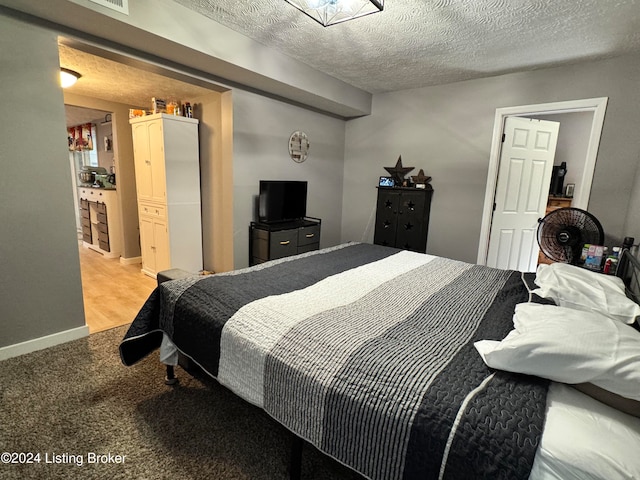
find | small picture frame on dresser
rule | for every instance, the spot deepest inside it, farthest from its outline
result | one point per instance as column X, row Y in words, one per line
column 569, row 190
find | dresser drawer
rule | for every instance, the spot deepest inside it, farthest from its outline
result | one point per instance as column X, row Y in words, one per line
column 104, row 245
column 151, row 210
column 283, row 243
column 558, row 202
column 308, row 235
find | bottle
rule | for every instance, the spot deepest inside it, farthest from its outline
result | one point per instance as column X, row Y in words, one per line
column 607, row 266
column 188, row 111
column 611, row 264
column 605, row 255
column 615, row 260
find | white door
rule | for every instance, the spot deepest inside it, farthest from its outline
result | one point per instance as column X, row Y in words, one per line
column 524, row 176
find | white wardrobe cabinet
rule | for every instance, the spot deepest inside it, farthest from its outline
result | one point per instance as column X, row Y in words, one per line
column 167, row 166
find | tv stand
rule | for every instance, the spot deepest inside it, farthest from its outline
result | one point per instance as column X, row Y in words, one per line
column 269, row 241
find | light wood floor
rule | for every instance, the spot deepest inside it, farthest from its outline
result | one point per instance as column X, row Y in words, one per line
column 113, row 293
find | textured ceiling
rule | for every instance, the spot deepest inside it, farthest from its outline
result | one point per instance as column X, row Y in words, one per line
column 110, row 80
column 412, row 43
column 415, row 43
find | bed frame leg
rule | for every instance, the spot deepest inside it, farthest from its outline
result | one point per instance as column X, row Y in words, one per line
column 295, row 465
column 170, row 379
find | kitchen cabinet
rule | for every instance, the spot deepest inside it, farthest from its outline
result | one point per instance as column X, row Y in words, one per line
column 167, row 167
column 402, row 218
column 154, row 244
column 100, row 220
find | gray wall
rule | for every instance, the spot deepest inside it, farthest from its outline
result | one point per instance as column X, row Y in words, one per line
column 40, row 290
column 261, row 130
column 446, row 130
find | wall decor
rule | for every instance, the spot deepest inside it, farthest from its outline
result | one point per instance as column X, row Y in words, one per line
column 421, row 180
column 398, row 172
column 299, row 146
column 570, row 188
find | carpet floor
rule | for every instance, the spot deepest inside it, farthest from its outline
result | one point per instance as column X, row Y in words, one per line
column 69, row 407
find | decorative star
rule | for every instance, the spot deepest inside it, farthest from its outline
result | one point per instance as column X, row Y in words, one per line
column 398, row 172
column 408, row 226
column 420, row 178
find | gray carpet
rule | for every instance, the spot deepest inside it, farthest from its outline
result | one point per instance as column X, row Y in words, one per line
column 78, row 399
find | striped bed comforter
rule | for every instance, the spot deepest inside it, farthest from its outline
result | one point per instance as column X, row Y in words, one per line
column 367, row 353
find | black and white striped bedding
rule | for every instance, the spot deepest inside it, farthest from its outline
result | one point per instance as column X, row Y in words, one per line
column 367, row 353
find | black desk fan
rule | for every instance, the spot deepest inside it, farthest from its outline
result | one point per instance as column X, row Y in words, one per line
column 563, row 232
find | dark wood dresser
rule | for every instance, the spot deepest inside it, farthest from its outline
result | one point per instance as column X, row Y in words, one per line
column 268, row 241
column 402, row 217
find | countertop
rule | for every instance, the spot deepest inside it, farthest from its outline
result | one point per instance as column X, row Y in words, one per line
column 97, row 187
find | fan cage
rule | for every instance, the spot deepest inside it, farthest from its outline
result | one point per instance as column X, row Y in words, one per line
column 563, row 233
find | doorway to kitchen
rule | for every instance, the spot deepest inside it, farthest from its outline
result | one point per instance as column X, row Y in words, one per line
column 113, row 291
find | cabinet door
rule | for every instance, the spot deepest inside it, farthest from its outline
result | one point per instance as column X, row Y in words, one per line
column 410, row 233
column 142, row 161
column 161, row 245
column 147, row 246
column 156, row 155
column 386, row 218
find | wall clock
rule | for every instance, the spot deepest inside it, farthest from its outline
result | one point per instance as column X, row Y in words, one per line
column 298, row 146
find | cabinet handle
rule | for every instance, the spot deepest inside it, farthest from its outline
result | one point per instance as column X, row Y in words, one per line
column 285, row 243
column 310, row 235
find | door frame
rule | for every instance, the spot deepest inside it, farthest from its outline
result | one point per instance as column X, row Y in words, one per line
column 597, row 106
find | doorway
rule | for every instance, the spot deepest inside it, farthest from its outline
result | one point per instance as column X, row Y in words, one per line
column 596, row 107
column 113, row 291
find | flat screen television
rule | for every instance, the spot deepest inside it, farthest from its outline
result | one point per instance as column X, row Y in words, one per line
column 282, row 200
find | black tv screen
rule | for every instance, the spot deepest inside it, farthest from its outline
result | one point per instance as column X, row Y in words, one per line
column 282, row 200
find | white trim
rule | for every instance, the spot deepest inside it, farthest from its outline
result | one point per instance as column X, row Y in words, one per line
column 596, row 105
column 43, row 342
column 130, row 260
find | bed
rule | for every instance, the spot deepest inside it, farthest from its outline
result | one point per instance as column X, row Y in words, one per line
column 397, row 364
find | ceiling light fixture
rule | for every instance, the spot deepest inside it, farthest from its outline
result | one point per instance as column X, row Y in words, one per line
column 68, row 77
column 330, row 12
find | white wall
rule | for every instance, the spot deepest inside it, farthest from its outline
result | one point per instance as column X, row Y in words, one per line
column 447, row 129
column 261, row 130
column 40, row 289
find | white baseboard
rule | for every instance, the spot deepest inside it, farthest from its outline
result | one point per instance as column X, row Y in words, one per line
column 130, row 261
column 43, row 342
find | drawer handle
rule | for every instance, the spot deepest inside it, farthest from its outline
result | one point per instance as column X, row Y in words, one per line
column 286, row 242
column 310, row 235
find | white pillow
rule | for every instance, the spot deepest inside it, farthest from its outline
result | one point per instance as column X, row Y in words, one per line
column 575, row 287
column 569, row 346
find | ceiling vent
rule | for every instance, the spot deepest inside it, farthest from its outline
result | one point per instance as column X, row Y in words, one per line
column 121, row 6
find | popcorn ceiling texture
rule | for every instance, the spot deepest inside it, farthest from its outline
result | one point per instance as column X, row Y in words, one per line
column 102, row 75
column 411, row 44
column 415, row 43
